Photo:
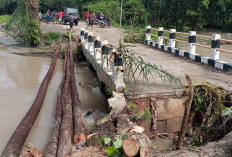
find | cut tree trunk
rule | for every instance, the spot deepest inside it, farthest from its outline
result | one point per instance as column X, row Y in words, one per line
column 186, row 114
column 65, row 140
column 51, row 150
column 16, row 142
column 130, row 147
column 78, row 135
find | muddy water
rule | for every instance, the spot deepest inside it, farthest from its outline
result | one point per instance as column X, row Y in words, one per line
column 206, row 52
column 20, row 78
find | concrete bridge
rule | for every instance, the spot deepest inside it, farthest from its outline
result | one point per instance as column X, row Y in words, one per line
column 156, row 53
column 169, row 103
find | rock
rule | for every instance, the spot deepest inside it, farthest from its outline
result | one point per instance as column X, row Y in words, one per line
column 137, row 129
column 117, row 104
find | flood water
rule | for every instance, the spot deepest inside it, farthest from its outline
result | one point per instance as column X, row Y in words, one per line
column 20, row 78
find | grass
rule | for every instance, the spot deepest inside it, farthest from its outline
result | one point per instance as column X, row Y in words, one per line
column 4, row 18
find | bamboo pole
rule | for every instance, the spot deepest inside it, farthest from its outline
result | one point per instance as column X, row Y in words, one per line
column 225, row 40
column 203, row 37
column 78, row 130
column 223, row 50
column 16, row 142
column 154, row 29
column 181, row 33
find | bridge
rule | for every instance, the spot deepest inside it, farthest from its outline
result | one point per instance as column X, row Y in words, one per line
column 108, row 65
column 164, row 55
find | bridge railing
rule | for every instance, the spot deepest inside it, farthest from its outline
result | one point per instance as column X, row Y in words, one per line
column 190, row 39
column 105, row 56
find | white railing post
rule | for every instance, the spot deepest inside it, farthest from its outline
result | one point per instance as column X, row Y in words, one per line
column 97, row 50
column 90, row 43
column 215, row 43
column 104, row 50
column 118, row 70
column 160, row 36
column 82, row 35
column 172, row 37
column 148, row 34
column 192, row 42
column 86, row 39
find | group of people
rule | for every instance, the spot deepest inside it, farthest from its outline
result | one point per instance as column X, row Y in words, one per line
column 51, row 16
column 90, row 18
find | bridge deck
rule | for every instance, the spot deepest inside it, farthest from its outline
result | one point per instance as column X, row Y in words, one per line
column 177, row 66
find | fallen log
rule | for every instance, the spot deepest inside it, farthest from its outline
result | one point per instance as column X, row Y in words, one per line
column 65, row 140
column 78, row 131
column 16, row 142
column 51, row 149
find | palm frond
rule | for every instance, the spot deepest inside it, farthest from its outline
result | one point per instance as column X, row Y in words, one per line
column 134, row 63
column 19, row 18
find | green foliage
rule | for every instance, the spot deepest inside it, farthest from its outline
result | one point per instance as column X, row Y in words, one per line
column 226, row 112
column 118, row 142
column 51, row 37
column 111, row 150
column 116, row 149
column 132, row 106
column 34, row 33
column 106, row 140
column 138, row 116
column 137, row 35
column 25, row 20
column 147, row 115
column 134, row 13
column 134, row 63
column 4, row 18
column 109, row 7
column 142, row 115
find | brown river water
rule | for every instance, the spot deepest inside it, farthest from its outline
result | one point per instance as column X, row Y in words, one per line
column 20, row 78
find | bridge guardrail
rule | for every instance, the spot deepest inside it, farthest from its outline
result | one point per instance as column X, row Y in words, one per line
column 106, row 57
column 213, row 60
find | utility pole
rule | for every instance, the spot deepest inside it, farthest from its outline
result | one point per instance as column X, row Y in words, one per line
column 121, row 14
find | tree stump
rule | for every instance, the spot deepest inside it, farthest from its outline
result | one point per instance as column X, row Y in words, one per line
column 130, row 147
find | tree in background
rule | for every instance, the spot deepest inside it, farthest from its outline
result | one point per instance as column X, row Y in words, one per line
column 109, row 7
column 7, row 6
column 25, row 19
column 134, row 13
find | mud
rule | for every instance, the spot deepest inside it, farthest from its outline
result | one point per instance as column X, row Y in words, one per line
column 20, row 77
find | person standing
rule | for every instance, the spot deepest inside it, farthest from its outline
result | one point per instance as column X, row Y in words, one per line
column 40, row 18
column 54, row 16
column 71, row 22
column 61, row 14
column 101, row 16
column 48, row 16
column 87, row 17
column 91, row 20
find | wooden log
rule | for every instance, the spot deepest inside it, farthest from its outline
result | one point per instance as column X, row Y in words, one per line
column 78, row 131
column 130, row 147
column 186, row 114
column 51, row 149
column 65, row 140
column 16, row 142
